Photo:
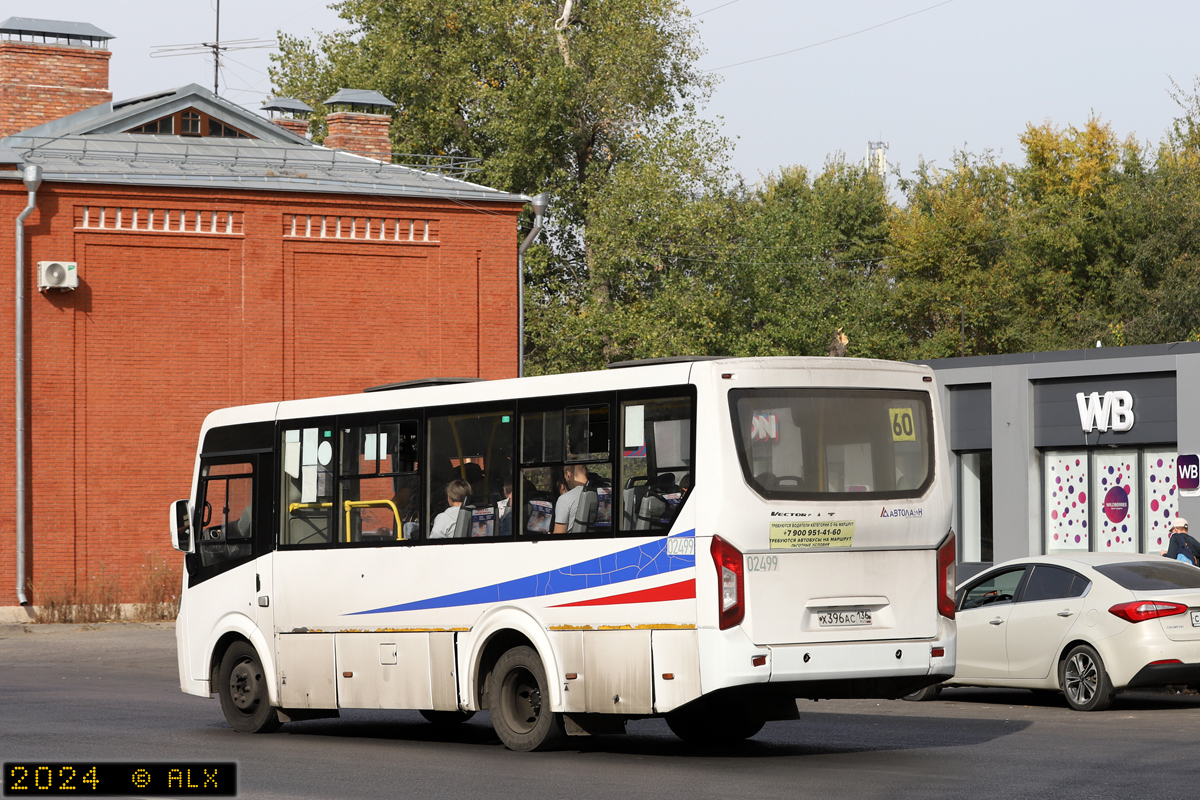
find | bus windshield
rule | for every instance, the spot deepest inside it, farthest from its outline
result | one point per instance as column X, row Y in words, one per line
column 834, row 443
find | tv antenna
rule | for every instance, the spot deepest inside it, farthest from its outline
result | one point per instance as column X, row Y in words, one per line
column 216, row 47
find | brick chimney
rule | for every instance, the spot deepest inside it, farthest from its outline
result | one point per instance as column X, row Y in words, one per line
column 361, row 134
column 359, row 131
column 296, row 126
column 49, row 69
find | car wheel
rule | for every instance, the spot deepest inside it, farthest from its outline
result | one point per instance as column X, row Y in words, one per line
column 242, row 686
column 927, row 693
column 520, row 703
column 1084, row 680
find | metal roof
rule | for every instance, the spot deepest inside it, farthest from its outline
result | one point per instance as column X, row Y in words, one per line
column 52, row 28
column 92, row 145
column 287, row 104
column 359, row 97
column 150, row 160
column 1048, row 356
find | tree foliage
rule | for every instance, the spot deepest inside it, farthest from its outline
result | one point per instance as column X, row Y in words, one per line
column 654, row 247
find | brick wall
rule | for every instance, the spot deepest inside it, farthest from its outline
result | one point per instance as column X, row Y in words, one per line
column 256, row 306
column 42, row 82
column 362, row 134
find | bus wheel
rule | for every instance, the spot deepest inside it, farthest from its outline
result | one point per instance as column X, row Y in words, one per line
column 243, row 690
column 519, row 698
column 447, row 717
column 697, row 724
column 926, row 693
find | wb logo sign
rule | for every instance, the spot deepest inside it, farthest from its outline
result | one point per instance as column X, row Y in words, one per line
column 1100, row 412
column 1188, row 472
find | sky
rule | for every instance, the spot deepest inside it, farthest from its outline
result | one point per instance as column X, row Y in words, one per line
column 928, row 77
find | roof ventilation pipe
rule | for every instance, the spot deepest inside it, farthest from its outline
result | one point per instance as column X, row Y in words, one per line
column 539, row 204
column 33, row 179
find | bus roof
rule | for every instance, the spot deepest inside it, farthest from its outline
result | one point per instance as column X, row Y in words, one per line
column 668, row 372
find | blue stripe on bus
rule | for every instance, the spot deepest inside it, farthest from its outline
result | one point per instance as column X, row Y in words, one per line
column 625, row 565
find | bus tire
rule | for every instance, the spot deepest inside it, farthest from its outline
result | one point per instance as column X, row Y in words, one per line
column 926, row 693
column 242, row 686
column 447, row 717
column 519, row 700
column 700, row 725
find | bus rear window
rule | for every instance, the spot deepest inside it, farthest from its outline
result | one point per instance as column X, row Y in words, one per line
column 854, row 444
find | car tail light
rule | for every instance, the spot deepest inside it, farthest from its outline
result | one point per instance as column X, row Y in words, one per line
column 1142, row 610
column 731, row 592
column 946, row 574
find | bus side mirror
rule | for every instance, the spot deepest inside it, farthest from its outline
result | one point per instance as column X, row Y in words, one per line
column 181, row 527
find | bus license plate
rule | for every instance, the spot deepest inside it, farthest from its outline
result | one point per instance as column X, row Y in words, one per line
column 852, row 616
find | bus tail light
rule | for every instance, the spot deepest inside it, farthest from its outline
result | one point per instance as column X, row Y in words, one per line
column 1142, row 610
column 946, row 574
column 732, row 597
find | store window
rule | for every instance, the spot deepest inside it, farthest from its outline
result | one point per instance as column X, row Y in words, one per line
column 1108, row 500
column 1160, row 498
column 1116, row 506
column 1066, row 481
column 975, row 506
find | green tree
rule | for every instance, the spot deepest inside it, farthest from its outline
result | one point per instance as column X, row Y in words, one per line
column 810, row 256
column 552, row 95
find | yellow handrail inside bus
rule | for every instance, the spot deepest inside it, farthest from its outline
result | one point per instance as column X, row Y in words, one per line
column 368, row 504
column 294, row 507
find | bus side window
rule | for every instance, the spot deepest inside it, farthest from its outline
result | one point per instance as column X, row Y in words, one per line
column 226, row 511
column 565, row 464
column 379, row 500
column 307, row 501
column 473, row 453
column 656, row 462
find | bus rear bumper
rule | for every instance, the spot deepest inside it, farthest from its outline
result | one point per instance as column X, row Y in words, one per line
column 872, row 669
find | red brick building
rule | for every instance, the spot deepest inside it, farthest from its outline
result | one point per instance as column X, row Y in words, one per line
column 221, row 260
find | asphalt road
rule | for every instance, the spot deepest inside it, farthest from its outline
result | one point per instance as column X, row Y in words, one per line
column 110, row 692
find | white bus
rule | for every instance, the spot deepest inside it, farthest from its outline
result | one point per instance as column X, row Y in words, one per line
column 735, row 534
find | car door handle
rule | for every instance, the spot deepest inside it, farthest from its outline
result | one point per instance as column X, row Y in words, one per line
column 1065, row 613
column 996, row 621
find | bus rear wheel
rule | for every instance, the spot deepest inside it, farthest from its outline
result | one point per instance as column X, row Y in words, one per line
column 519, row 700
column 701, row 725
column 242, row 686
column 447, row 717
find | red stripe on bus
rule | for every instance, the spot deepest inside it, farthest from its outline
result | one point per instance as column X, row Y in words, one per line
column 684, row 590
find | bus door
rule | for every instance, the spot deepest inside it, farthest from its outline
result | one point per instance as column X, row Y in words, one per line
column 230, row 567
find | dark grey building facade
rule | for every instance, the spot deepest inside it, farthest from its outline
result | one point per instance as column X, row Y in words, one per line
column 1069, row 451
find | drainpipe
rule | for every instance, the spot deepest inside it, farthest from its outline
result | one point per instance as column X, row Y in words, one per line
column 33, row 179
column 539, row 205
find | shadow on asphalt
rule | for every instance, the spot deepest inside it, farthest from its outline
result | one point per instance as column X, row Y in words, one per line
column 1146, row 700
column 811, row 735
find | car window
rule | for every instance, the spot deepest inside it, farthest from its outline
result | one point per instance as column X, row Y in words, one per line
column 997, row 588
column 1152, row 576
column 1052, row 583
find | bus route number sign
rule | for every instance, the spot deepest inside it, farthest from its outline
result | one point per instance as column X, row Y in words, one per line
column 818, row 533
column 902, row 425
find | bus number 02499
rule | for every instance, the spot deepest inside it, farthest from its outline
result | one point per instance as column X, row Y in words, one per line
column 762, row 563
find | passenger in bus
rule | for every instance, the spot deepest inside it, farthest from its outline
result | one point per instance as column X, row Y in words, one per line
column 457, row 491
column 575, row 476
column 505, row 510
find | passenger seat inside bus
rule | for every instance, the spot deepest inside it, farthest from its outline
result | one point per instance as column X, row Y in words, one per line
column 475, row 516
column 595, row 507
column 655, row 507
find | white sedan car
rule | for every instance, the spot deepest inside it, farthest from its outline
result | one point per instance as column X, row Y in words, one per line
column 1090, row 625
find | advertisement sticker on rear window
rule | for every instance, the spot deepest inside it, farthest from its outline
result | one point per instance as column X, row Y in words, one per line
column 800, row 535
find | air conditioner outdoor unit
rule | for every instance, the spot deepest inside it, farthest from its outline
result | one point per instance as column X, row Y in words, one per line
column 57, row 275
